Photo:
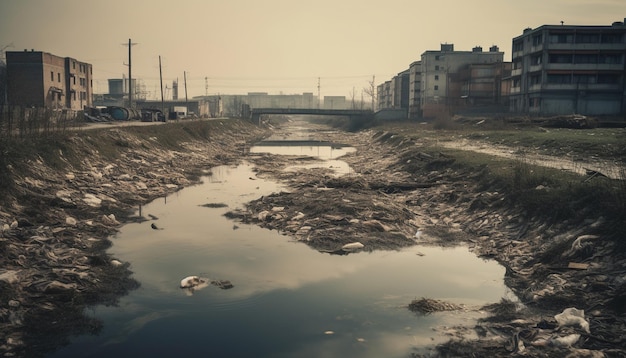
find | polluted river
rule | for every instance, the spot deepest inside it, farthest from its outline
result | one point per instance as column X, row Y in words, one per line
column 260, row 292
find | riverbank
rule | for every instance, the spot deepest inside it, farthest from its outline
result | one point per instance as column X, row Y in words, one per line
column 63, row 196
column 65, row 201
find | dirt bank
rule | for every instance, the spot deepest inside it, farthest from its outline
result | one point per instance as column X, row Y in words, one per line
column 67, row 194
column 402, row 191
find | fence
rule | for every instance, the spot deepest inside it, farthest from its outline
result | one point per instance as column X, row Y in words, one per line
column 29, row 122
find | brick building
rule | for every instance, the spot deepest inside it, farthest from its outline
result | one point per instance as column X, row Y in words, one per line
column 41, row 79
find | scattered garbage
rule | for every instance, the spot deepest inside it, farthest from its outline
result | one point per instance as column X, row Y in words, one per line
column 191, row 282
column 353, row 246
column 572, row 317
column 195, row 283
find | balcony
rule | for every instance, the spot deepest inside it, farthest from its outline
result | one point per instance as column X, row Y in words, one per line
column 585, row 46
column 581, row 87
column 585, row 66
column 516, row 72
column 535, row 68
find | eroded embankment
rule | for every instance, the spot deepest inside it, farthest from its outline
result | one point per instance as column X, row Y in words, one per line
column 68, row 194
column 401, row 185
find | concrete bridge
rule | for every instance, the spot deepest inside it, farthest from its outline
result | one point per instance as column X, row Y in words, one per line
column 255, row 113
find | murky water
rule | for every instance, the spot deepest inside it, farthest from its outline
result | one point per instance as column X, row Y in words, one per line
column 288, row 300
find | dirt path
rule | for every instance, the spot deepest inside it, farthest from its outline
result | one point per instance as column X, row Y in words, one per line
column 612, row 169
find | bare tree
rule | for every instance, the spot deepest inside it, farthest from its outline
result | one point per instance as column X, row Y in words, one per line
column 371, row 91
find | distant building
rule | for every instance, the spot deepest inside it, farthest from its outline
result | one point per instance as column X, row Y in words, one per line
column 400, row 95
column 265, row 100
column 563, row 69
column 482, row 87
column 335, row 102
column 441, row 80
column 385, row 95
column 41, row 79
column 199, row 106
column 415, row 89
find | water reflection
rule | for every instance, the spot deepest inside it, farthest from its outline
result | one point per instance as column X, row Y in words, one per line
column 286, row 295
column 323, row 152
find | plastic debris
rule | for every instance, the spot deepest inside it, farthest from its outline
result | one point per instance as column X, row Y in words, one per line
column 572, row 317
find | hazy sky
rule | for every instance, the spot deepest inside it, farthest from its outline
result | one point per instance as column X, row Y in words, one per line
column 275, row 45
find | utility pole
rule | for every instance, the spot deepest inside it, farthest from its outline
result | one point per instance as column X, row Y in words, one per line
column 130, row 76
column 185, row 80
column 373, row 88
column 161, row 78
column 319, row 99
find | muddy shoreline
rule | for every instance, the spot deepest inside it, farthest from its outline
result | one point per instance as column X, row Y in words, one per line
column 55, row 231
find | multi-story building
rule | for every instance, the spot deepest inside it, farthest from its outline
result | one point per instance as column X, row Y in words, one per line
column 384, row 95
column 564, row 69
column 440, row 76
column 415, row 89
column 400, row 92
column 41, row 79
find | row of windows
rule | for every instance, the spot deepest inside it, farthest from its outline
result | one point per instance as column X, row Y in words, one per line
column 584, row 78
column 586, row 58
column 571, row 38
column 81, row 67
column 573, row 79
column 82, row 81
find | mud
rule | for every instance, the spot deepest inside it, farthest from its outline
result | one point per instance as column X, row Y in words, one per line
column 400, row 193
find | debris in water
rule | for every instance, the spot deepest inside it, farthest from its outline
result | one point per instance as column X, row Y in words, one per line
column 428, row 305
column 223, row 284
column 352, row 246
column 191, row 282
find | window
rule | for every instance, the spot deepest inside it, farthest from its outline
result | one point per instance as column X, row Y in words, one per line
column 610, row 58
column 560, row 58
column 561, row 38
column 74, row 95
column 518, row 46
column 436, row 88
column 436, row 77
column 585, row 79
column 74, row 78
column 437, row 57
column 537, row 40
column 535, row 60
column 516, row 82
column 609, row 78
column 52, row 76
column 436, row 68
column 611, row 38
column 582, row 38
column 74, row 67
column 559, row 78
column 59, row 76
column 585, row 58
column 535, row 80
